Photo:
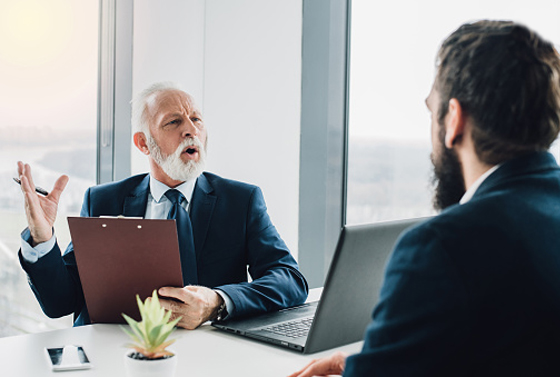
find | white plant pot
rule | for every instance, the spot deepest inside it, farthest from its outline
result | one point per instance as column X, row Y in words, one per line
column 150, row 368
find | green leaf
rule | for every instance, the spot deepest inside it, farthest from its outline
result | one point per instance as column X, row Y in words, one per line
column 135, row 326
column 175, row 322
column 167, row 344
column 154, row 334
column 166, row 317
column 140, row 306
column 164, row 333
column 129, row 320
column 131, row 334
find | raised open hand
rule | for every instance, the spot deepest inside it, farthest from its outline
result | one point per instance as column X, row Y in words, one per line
column 40, row 210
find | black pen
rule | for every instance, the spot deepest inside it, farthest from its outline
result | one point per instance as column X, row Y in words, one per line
column 38, row 189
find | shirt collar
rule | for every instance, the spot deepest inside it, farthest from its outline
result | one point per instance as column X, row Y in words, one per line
column 470, row 192
column 158, row 189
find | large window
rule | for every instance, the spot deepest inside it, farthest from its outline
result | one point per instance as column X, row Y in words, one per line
column 48, row 107
column 393, row 50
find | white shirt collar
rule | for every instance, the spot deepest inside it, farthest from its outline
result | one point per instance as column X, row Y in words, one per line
column 470, row 192
column 158, row 189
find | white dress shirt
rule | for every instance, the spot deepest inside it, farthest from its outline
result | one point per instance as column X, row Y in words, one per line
column 158, row 205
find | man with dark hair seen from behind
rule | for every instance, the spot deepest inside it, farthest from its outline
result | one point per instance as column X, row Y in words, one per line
column 224, row 234
column 475, row 291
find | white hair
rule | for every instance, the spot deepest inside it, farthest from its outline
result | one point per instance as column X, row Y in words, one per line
column 138, row 118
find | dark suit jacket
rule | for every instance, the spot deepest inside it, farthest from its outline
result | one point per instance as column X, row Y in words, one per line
column 232, row 230
column 475, row 291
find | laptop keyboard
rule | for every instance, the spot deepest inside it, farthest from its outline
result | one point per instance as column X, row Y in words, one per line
column 292, row 329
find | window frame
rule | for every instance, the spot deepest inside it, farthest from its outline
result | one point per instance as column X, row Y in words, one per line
column 324, row 133
column 114, row 90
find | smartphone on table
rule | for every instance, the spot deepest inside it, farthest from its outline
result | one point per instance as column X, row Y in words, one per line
column 69, row 357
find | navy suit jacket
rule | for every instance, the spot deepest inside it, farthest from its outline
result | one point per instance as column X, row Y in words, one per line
column 475, row 291
column 232, row 230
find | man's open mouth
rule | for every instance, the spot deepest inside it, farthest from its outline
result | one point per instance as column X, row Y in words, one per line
column 191, row 150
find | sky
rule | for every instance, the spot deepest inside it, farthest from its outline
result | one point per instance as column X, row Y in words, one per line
column 48, row 63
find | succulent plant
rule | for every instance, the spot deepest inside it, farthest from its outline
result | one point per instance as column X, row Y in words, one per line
column 150, row 334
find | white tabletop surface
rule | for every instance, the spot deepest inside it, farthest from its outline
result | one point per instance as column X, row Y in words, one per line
column 204, row 352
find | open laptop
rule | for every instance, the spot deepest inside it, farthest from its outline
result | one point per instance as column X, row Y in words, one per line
column 350, row 292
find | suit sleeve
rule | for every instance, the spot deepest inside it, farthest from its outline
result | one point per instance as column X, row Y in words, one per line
column 422, row 316
column 54, row 278
column 277, row 282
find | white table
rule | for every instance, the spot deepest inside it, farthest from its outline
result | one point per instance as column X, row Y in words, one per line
column 204, row 352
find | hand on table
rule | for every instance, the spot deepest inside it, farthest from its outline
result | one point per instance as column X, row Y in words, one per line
column 40, row 210
column 333, row 364
column 197, row 304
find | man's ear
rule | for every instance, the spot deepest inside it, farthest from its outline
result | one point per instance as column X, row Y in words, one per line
column 141, row 143
column 454, row 123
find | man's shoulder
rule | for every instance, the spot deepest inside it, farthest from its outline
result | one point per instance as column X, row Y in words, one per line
column 458, row 215
column 454, row 224
column 464, row 232
column 124, row 185
column 219, row 183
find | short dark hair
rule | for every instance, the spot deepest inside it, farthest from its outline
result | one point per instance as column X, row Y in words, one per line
column 507, row 80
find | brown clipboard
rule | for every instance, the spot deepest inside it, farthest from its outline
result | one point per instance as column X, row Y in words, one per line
column 119, row 258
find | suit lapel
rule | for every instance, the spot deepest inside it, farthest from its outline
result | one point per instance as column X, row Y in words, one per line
column 135, row 203
column 202, row 207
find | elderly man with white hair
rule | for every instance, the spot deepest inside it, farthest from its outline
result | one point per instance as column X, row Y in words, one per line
column 227, row 225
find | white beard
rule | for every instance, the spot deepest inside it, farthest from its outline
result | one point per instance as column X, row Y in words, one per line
column 173, row 165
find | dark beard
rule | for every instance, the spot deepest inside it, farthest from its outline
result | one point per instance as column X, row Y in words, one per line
column 447, row 179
